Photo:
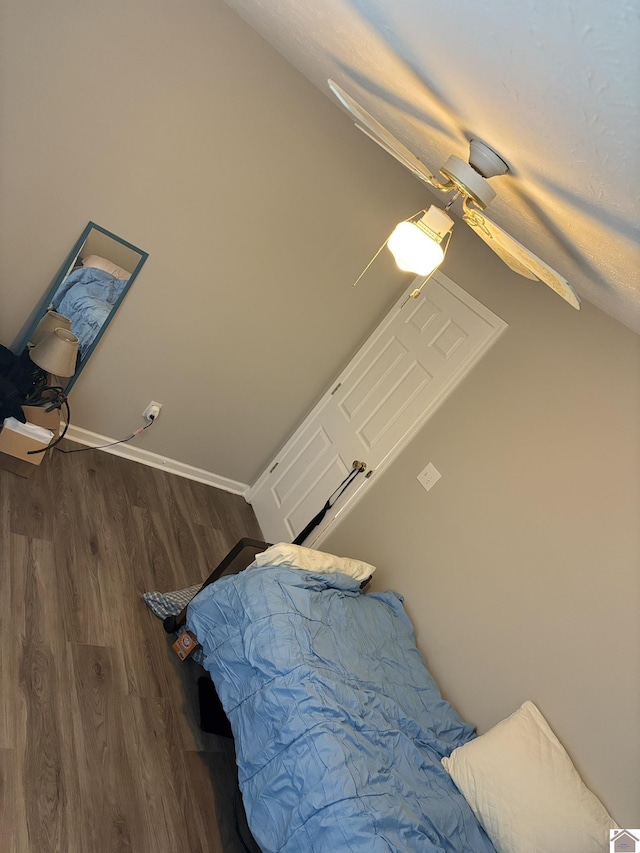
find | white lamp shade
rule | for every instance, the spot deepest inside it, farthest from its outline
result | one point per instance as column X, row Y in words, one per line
column 413, row 250
column 51, row 320
column 57, row 353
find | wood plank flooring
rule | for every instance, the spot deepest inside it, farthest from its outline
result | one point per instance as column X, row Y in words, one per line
column 100, row 748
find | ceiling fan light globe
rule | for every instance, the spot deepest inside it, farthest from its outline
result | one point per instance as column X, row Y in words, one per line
column 413, row 250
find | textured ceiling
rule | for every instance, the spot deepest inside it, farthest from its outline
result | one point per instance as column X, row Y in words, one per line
column 553, row 87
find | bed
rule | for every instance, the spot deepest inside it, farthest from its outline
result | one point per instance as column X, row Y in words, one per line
column 339, row 728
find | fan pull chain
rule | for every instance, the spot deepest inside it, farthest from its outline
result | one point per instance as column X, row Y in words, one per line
column 370, row 262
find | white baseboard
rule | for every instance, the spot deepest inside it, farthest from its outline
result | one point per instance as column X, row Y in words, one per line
column 155, row 460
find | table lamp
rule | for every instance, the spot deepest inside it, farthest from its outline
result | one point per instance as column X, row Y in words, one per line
column 51, row 320
column 57, row 353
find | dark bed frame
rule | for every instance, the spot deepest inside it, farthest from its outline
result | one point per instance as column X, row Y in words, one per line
column 239, row 557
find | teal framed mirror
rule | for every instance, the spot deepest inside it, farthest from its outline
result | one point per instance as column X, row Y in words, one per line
column 86, row 293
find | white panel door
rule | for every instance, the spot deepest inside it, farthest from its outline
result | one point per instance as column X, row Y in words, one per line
column 399, row 377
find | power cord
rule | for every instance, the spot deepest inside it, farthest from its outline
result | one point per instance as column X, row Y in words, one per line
column 136, row 432
column 52, row 397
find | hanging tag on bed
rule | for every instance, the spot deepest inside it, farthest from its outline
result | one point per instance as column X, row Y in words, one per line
column 185, row 645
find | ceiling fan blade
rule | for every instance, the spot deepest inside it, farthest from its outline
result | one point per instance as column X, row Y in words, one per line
column 508, row 259
column 517, row 257
column 375, row 131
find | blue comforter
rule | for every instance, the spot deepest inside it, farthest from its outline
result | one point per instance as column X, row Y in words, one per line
column 339, row 727
column 86, row 297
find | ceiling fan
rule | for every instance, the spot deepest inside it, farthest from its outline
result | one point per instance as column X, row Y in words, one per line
column 420, row 243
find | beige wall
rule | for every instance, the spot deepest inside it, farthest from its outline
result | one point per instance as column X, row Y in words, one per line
column 521, row 567
column 175, row 126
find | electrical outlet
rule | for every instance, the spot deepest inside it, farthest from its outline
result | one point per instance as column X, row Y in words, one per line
column 429, row 477
column 152, row 411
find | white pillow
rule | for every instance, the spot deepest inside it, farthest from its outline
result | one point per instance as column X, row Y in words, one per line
column 525, row 791
column 298, row 557
column 103, row 264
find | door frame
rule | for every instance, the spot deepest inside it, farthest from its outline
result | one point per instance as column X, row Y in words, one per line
column 351, row 497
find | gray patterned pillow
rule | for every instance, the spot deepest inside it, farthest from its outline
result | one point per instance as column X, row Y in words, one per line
column 163, row 604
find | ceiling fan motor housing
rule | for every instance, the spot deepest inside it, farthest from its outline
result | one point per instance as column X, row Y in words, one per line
column 469, row 182
column 470, row 178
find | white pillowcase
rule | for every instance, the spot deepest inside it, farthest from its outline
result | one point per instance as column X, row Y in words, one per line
column 298, row 557
column 103, row 264
column 525, row 791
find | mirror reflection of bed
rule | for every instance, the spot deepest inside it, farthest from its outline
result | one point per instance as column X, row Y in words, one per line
column 86, row 293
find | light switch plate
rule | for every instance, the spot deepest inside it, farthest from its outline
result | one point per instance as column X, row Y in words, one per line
column 429, row 477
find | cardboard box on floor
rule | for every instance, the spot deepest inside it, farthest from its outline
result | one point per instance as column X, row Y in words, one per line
column 14, row 447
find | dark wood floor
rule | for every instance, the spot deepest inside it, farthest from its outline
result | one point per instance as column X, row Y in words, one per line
column 100, row 748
